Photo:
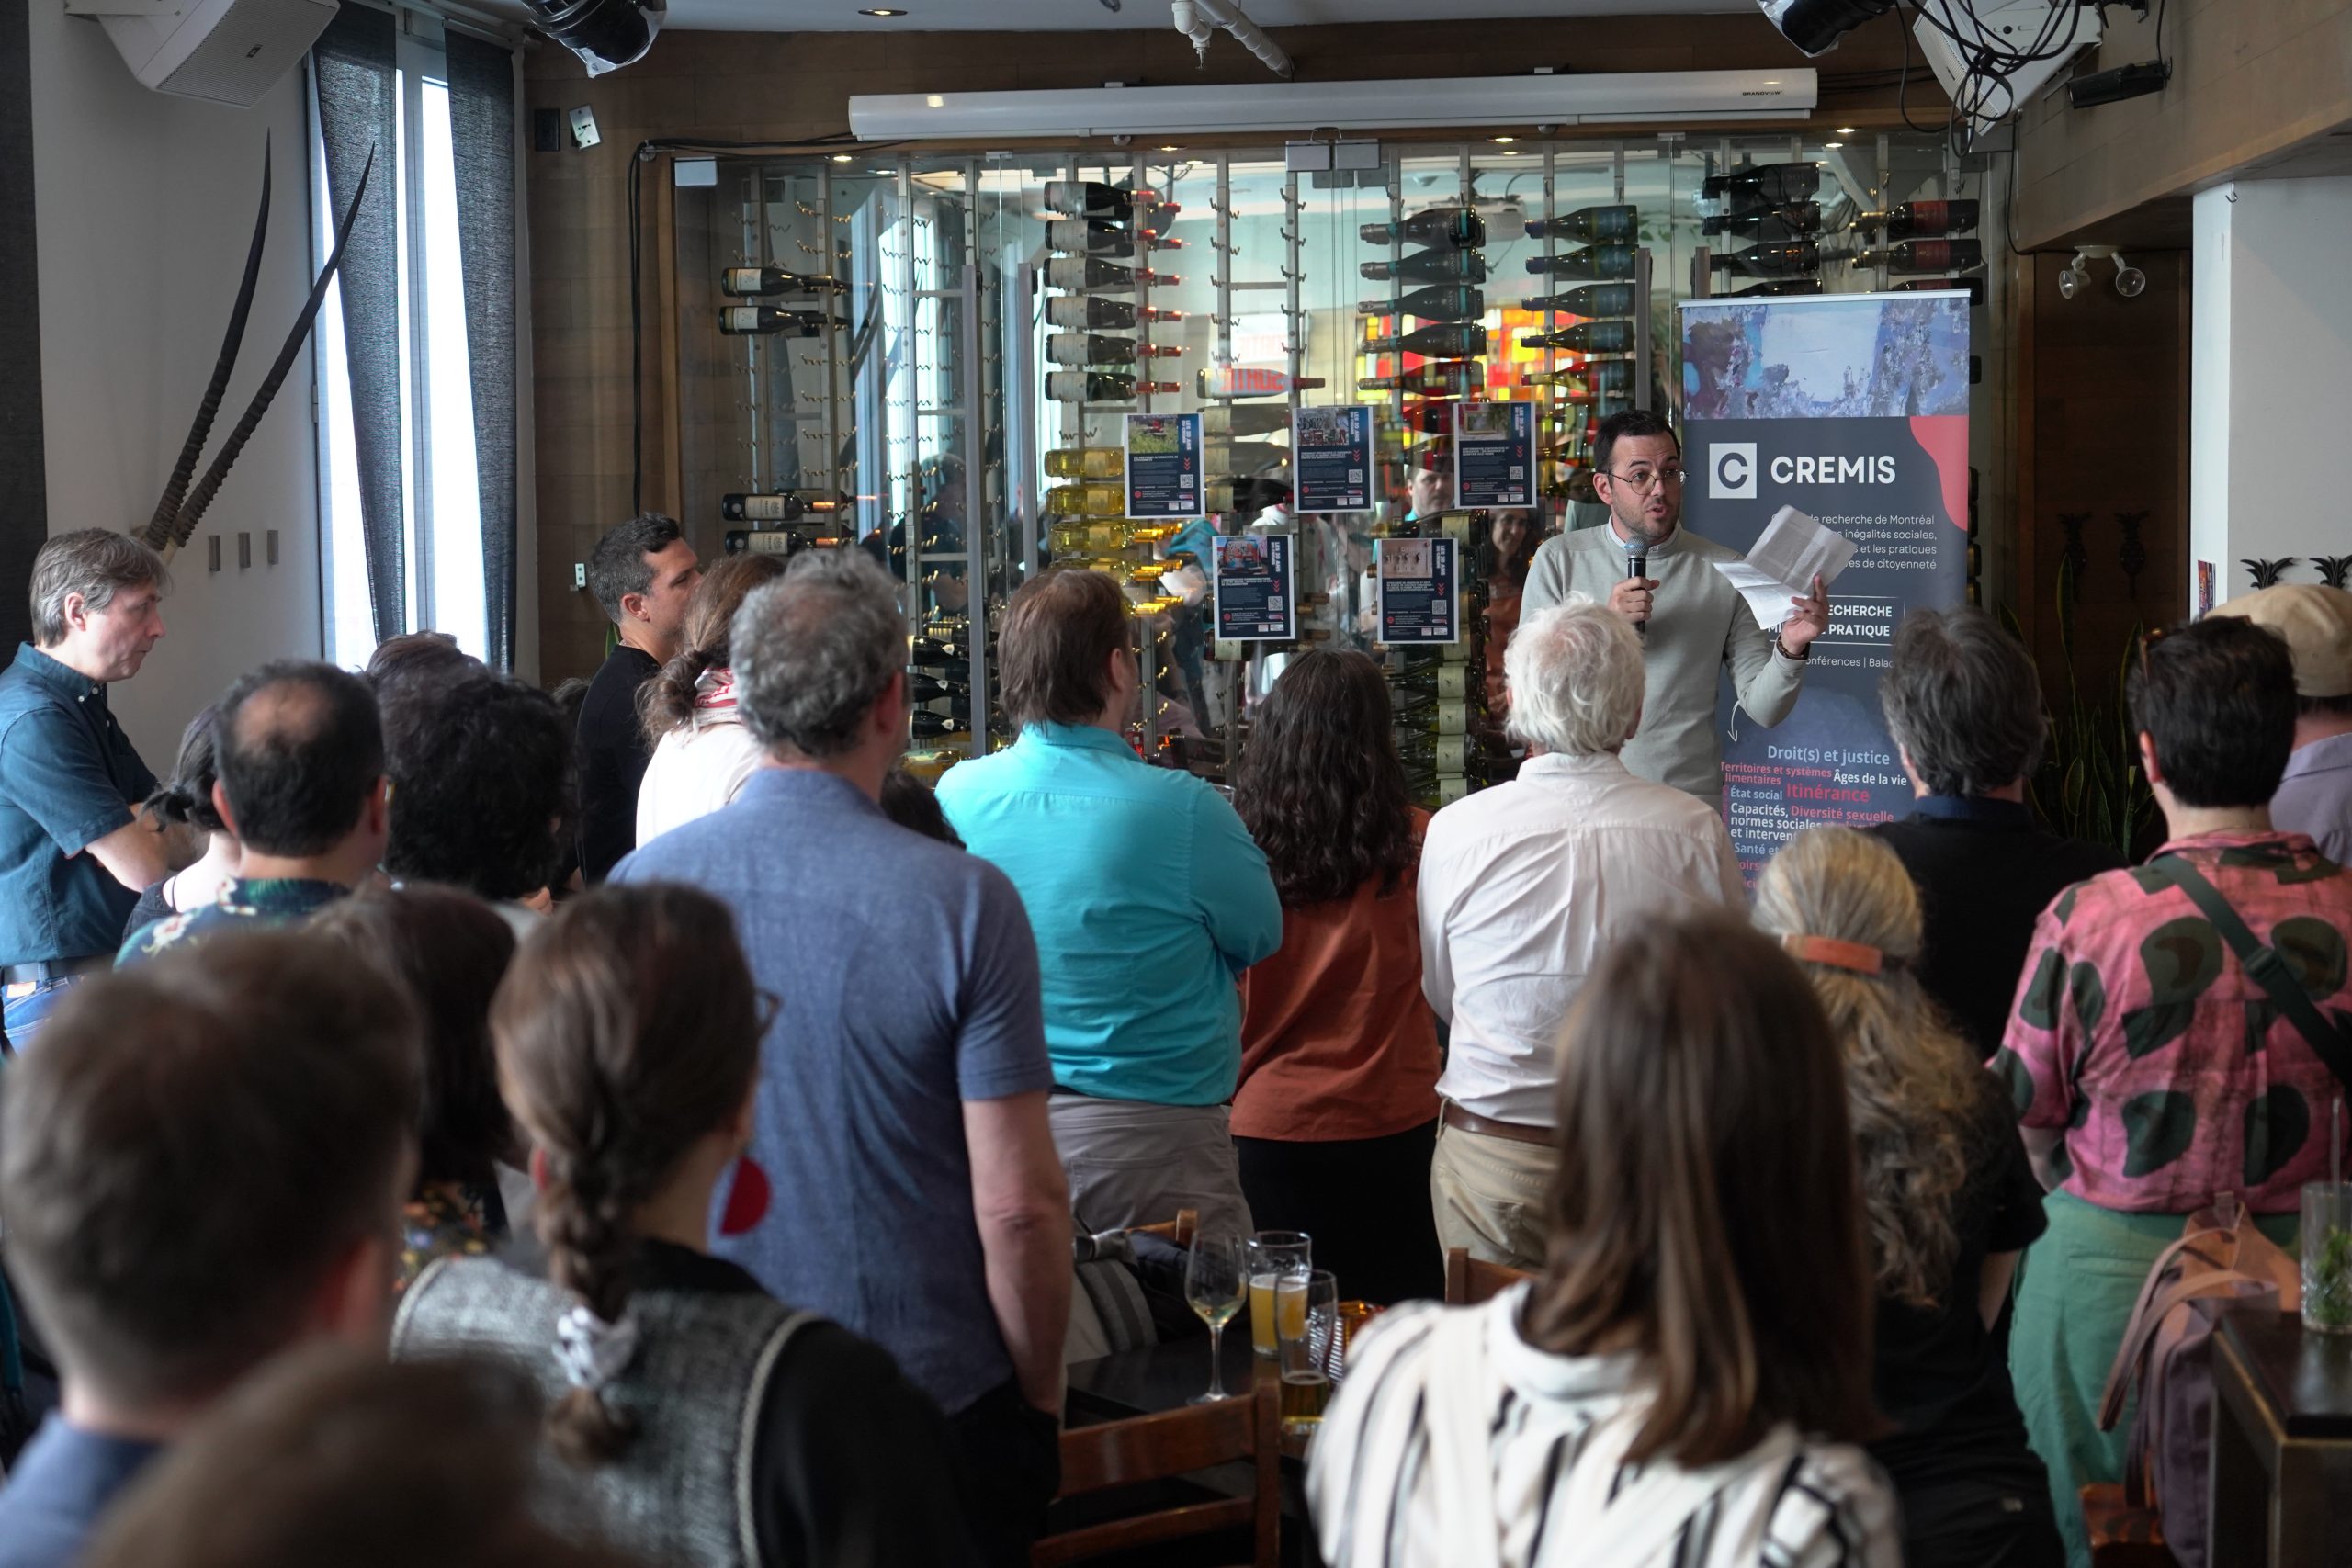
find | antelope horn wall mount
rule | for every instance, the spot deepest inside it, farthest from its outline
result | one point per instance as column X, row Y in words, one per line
column 179, row 510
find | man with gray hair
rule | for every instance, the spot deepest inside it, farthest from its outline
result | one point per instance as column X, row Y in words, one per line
column 901, row 1178
column 76, row 849
column 1522, row 886
column 1964, row 706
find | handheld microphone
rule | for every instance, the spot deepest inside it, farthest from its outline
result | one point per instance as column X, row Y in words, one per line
column 1637, row 562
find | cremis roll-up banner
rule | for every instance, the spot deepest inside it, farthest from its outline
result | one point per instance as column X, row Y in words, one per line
column 1854, row 410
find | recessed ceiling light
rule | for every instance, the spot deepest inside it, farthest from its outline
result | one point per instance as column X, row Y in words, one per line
column 1510, row 151
column 881, row 11
column 1771, row 81
column 1846, row 129
column 935, row 101
column 841, row 157
column 1833, row 146
column 1170, row 147
column 1505, row 140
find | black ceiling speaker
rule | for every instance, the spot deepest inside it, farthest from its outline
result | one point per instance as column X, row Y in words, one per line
column 604, row 34
column 1815, row 25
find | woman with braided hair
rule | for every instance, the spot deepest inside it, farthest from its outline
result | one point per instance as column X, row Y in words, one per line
column 1949, row 1202
column 709, row 1425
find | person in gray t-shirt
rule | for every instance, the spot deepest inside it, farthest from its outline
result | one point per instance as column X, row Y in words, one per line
column 1694, row 622
column 912, row 1192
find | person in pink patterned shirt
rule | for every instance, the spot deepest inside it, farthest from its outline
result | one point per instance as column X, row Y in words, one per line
column 2151, row 1073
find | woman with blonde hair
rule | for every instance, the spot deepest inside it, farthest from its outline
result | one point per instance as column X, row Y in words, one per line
column 1950, row 1200
column 702, row 753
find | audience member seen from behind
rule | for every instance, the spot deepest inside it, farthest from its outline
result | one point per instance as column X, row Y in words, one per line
column 418, row 658
column 1684, row 1382
column 702, row 753
column 206, row 1169
column 331, row 1456
column 482, row 789
column 905, row 1077
column 1522, row 887
column 448, row 949
column 644, row 573
column 1336, row 1115
column 1949, row 1197
column 909, row 802
column 2151, row 1072
column 1148, row 899
column 2315, row 792
column 1963, row 704
column 76, row 849
column 184, row 800
column 712, row 1423
column 301, row 785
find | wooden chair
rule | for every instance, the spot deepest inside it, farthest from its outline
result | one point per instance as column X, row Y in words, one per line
column 2121, row 1535
column 1174, row 1443
column 1178, row 1230
column 1469, row 1280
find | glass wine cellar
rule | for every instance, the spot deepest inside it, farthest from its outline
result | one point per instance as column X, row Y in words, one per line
column 926, row 356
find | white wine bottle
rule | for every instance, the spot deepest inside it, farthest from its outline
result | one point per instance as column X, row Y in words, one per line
column 750, row 282
column 1086, row 462
column 1085, row 501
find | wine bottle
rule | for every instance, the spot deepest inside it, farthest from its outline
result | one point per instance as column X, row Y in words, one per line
column 1439, row 379
column 1796, row 221
column 1586, row 337
column 1096, row 348
column 1244, row 419
column 1431, row 715
column 1104, row 538
column 1975, row 287
column 925, row 724
column 767, row 321
column 1086, row 463
column 1077, row 272
column 1600, row 375
column 1091, row 198
column 1448, row 340
column 1593, row 262
column 922, row 688
column 1227, row 381
column 1086, row 500
column 1437, row 753
column 1100, row 386
column 1925, row 256
column 1785, row 259
column 1429, row 266
column 1248, row 457
column 1087, row 312
column 1112, row 245
column 1595, row 300
column 783, row 506
column 1779, row 286
column 1589, row 225
column 1438, row 302
column 1448, row 680
column 1921, row 220
column 749, row 282
column 1777, row 183
column 1564, row 483
column 1454, row 228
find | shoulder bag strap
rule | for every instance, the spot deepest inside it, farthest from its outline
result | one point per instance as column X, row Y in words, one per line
column 2262, row 964
column 746, row 1443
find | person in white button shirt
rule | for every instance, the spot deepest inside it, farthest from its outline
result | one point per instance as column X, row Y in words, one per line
column 1522, row 886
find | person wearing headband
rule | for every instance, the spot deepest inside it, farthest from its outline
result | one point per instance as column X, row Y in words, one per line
column 707, row 1421
column 1949, row 1198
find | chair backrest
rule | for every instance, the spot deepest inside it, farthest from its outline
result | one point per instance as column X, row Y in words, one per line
column 1469, row 1280
column 1178, row 1230
column 1173, row 1443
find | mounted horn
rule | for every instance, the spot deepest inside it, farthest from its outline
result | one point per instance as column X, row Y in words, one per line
column 158, row 532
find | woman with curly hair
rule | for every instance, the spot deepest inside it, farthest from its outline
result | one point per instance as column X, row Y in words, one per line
column 1336, row 1113
column 1948, row 1196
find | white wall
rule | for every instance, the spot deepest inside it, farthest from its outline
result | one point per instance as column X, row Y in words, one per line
column 2270, row 368
column 144, row 205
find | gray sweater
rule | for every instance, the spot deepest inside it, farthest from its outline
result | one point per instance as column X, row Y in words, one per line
column 1699, row 624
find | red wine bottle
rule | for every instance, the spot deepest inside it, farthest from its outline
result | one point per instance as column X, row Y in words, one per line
column 1099, row 386
column 767, row 321
column 1776, row 184
column 1787, row 259
column 1593, row 264
column 1589, row 225
column 1794, row 221
column 1450, row 340
column 1925, row 256
column 1586, row 337
column 1429, row 266
column 784, row 506
column 1596, row 300
column 1453, row 228
column 1922, row 220
column 1779, row 286
column 1438, row 302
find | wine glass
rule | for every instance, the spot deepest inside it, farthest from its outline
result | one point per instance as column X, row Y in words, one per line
column 1216, row 1283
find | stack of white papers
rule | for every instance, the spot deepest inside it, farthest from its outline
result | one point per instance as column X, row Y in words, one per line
column 1792, row 552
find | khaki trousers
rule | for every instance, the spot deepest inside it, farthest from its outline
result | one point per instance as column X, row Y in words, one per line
column 1132, row 1164
column 1490, row 1196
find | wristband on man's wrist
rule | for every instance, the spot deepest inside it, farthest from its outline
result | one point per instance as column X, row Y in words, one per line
column 1785, row 651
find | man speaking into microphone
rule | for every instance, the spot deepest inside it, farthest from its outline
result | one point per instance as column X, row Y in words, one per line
column 1693, row 623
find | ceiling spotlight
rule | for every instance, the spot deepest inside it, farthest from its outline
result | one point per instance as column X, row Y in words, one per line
column 1832, row 146
column 2130, row 281
column 1848, row 130
column 1505, row 140
column 841, row 157
column 1815, row 25
column 881, row 11
column 604, row 34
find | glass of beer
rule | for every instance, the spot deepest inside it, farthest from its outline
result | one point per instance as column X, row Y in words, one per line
column 1306, row 1317
column 1273, row 1254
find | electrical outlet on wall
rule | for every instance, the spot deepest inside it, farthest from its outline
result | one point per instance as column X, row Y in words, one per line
column 579, row 574
column 583, row 128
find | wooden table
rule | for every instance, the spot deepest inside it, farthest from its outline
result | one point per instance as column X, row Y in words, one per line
column 2282, row 1443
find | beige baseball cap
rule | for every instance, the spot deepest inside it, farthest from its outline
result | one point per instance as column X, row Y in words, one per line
column 2316, row 623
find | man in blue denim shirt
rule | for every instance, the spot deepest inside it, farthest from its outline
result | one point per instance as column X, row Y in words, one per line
column 1149, row 898
column 74, row 851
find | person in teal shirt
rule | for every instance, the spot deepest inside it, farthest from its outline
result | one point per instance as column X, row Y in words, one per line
column 1148, row 899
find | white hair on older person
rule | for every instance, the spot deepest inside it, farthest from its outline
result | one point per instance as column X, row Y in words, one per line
column 1575, row 678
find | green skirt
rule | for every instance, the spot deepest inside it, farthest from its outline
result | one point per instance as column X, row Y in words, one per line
column 2075, row 1290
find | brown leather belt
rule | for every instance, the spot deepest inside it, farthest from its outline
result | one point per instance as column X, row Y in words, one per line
column 1454, row 1115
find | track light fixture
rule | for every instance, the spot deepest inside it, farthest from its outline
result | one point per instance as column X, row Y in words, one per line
column 2130, row 281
